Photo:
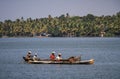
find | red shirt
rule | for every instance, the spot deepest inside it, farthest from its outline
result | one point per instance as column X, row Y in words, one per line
column 52, row 57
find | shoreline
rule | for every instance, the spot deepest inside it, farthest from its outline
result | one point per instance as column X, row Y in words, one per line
column 59, row 37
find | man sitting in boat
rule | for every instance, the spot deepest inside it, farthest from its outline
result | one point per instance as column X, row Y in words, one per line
column 29, row 56
column 52, row 56
column 59, row 57
column 35, row 58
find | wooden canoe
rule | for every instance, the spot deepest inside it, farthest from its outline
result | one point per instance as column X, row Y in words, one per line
column 63, row 61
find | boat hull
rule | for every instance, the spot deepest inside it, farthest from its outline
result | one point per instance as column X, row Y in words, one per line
column 63, row 61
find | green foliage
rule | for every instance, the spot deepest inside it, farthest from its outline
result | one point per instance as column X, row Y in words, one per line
column 63, row 26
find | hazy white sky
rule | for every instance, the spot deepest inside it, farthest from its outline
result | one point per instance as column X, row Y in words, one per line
column 13, row 9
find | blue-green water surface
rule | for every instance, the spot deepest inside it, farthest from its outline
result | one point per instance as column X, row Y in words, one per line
column 105, row 52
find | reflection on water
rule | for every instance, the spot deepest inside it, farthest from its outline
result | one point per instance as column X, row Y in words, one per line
column 105, row 51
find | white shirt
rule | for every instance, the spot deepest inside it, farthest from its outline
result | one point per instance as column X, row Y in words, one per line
column 34, row 58
column 58, row 58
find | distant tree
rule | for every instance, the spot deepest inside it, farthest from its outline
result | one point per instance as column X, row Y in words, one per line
column 63, row 25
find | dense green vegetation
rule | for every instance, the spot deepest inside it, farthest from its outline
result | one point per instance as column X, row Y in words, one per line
column 63, row 26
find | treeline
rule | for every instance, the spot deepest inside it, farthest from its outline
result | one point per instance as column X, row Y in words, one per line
column 63, row 26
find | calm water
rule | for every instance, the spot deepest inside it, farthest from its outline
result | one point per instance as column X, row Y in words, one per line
column 105, row 51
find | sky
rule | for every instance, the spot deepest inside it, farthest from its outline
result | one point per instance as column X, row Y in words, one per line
column 14, row 9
